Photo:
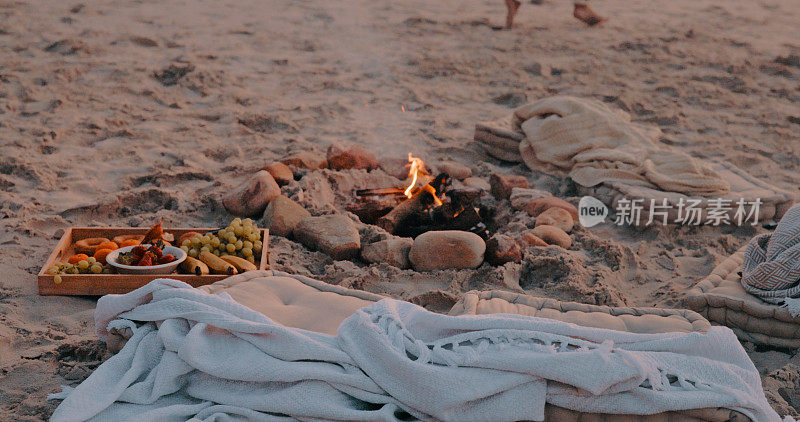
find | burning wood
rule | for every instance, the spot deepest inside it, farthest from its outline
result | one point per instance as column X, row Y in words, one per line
column 419, row 202
column 380, row 192
column 424, row 209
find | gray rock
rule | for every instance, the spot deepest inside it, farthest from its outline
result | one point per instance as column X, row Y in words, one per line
column 448, row 249
column 393, row 251
column 283, row 215
column 251, row 197
column 335, row 234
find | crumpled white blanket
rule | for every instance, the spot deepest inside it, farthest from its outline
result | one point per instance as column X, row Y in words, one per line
column 201, row 357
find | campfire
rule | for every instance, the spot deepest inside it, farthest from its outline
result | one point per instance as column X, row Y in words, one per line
column 426, row 204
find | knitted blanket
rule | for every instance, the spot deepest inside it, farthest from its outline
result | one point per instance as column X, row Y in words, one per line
column 202, row 357
column 593, row 144
column 771, row 267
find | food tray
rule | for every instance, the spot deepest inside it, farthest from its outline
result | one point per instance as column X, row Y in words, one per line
column 102, row 284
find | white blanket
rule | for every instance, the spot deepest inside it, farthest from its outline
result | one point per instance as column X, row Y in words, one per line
column 203, row 357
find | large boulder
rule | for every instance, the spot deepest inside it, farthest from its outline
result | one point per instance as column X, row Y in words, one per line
column 448, row 249
column 251, row 197
column 334, row 234
column 393, row 251
column 283, row 215
column 346, row 155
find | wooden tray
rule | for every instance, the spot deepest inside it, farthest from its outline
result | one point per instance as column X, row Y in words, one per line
column 102, row 284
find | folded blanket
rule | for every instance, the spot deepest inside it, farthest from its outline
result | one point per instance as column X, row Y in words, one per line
column 771, row 267
column 593, row 144
column 205, row 357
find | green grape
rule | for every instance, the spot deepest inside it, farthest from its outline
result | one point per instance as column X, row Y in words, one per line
column 247, row 221
column 193, row 252
column 247, row 252
column 257, row 247
column 83, row 264
column 216, row 252
column 92, row 260
column 186, row 243
column 254, row 236
column 237, row 221
column 185, row 248
column 196, row 241
column 52, row 270
column 238, row 230
column 231, row 248
column 97, row 268
column 108, row 270
column 247, row 244
column 231, row 238
column 205, row 248
column 238, row 245
column 251, row 259
column 72, row 270
column 215, row 242
column 57, row 279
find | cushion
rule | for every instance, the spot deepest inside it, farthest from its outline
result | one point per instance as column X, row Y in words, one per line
column 293, row 300
column 721, row 298
column 632, row 320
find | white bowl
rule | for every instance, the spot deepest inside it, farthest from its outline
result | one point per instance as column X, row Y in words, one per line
column 167, row 268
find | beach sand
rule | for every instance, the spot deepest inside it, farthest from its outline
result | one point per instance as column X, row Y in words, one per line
column 96, row 128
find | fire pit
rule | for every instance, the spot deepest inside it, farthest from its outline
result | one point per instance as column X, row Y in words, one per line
column 426, row 204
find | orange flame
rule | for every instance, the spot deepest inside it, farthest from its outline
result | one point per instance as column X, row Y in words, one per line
column 417, row 168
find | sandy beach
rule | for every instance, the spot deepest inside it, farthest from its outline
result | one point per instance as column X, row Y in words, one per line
column 130, row 113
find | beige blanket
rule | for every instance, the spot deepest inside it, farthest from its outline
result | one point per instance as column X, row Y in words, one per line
column 593, row 144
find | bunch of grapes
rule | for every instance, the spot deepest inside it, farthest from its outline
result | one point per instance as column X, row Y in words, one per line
column 241, row 238
column 86, row 266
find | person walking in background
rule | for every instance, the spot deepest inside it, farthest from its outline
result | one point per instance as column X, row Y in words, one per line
column 582, row 12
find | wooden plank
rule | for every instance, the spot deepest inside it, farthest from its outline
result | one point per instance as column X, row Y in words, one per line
column 102, row 284
column 264, row 260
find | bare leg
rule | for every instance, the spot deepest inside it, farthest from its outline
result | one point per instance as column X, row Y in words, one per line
column 513, row 8
column 588, row 16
